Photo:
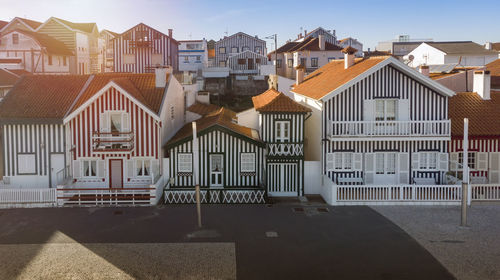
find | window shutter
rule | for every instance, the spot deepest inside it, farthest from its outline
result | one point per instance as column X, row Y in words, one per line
column 494, row 171
column 369, row 110
column 403, row 110
column 404, row 168
column 104, row 122
column 130, row 169
column 443, row 161
column 415, row 161
column 369, row 168
column 482, row 161
column 453, row 161
column 100, row 168
column 357, row 162
column 125, row 123
column 330, row 162
column 77, row 171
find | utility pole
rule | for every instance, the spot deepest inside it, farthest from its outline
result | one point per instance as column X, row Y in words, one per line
column 465, row 172
column 195, row 173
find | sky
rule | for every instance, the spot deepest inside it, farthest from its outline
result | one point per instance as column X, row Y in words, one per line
column 368, row 21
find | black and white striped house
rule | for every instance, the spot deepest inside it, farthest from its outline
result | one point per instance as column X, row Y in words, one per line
column 376, row 121
column 230, row 163
column 240, row 52
column 281, row 124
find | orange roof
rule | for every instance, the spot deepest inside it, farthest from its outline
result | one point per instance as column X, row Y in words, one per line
column 349, row 50
column 484, row 115
column 32, row 23
column 222, row 117
column 494, row 67
column 141, row 86
column 202, row 109
column 8, row 78
column 333, row 75
column 275, row 101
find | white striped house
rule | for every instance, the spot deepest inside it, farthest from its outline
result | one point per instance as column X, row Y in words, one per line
column 141, row 48
column 248, row 49
column 380, row 122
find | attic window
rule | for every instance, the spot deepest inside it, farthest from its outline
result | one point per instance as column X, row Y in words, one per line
column 15, row 39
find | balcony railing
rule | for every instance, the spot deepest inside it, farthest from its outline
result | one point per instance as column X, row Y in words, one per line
column 113, row 141
column 286, row 149
column 437, row 128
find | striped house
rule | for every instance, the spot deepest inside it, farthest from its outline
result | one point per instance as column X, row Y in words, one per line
column 481, row 107
column 230, row 161
column 240, row 52
column 142, row 48
column 105, row 130
column 375, row 121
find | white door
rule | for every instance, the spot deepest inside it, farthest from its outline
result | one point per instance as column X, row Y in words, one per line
column 56, row 169
column 116, row 173
column 282, row 179
column 385, row 169
column 216, row 170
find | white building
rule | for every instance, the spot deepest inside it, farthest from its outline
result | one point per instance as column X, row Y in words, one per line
column 193, row 55
column 351, row 42
column 463, row 53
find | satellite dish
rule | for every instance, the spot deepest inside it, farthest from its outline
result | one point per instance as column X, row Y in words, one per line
column 411, row 57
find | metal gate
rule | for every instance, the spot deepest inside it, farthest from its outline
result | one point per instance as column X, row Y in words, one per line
column 282, row 179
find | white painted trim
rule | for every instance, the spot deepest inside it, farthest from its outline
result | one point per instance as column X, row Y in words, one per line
column 101, row 92
column 20, row 20
column 391, row 138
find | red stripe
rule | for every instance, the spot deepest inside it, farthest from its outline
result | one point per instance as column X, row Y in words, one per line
column 147, row 136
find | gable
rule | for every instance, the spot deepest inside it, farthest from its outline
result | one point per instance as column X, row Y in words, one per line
column 133, row 33
column 243, row 35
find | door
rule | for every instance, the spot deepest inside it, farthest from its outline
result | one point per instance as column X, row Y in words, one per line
column 56, row 169
column 250, row 64
column 116, row 173
column 216, row 170
column 385, row 169
column 282, row 179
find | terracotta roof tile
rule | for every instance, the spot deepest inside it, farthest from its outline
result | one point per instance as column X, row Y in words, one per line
column 483, row 115
column 312, row 44
column 202, row 109
column 333, row 75
column 349, row 50
column 3, row 23
column 275, row 101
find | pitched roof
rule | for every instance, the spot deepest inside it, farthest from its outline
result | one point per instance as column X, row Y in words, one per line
column 52, row 45
column 111, row 32
column 42, row 97
column 286, row 47
column 3, row 23
column 222, row 117
column 494, row 68
column 85, row 27
column 7, row 78
column 32, row 23
column 274, row 101
column 141, row 86
column 484, row 115
column 202, row 109
column 461, row 47
column 333, row 75
column 495, row 46
column 312, row 44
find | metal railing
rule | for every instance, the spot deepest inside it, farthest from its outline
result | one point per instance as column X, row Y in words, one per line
column 389, row 128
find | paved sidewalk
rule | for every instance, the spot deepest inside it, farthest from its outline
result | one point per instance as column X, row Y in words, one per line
column 469, row 253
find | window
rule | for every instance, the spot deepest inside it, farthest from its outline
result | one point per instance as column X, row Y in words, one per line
column 186, row 59
column 343, row 161
column 314, row 62
column 282, row 131
column 247, row 162
column 222, row 50
column 258, row 50
column 65, row 61
column 290, row 63
column 303, row 61
column 89, row 168
column 26, row 164
column 278, row 63
column 222, row 63
column 245, row 48
column 234, row 50
column 15, row 39
column 185, row 162
column 385, row 110
column 116, row 122
column 471, row 159
column 50, row 59
column 242, row 61
column 142, row 167
column 385, row 163
column 428, row 160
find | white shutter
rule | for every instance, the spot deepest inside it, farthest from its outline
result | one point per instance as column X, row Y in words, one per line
column 369, row 110
column 415, row 161
column 453, row 161
column 357, row 162
column 77, row 171
column 125, row 123
column 403, row 110
column 330, row 162
column 369, row 168
column 100, row 168
column 404, row 168
column 482, row 161
column 130, row 169
column 443, row 161
column 494, row 171
column 104, row 122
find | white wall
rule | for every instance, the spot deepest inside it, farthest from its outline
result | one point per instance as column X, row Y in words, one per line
column 83, row 51
column 174, row 99
column 249, row 118
column 470, row 60
column 312, row 130
column 312, row 177
column 285, row 85
column 193, row 63
column 425, row 54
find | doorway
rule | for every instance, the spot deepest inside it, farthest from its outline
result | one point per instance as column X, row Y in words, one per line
column 56, row 169
column 116, row 173
column 216, row 170
column 385, row 168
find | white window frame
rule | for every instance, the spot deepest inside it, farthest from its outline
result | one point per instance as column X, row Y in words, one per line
column 348, row 161
column 125, row 121
column 82, row 166
column 179, row 166
column 29, row 160
column 470, row 156
column 234, row 49
column 425, row 161
column 248, row 159
column 142, row 161
column 282, row 125
column 290, row 64
column 314, row 65
column 220, row 50
column 385, row 117
column 386, row 170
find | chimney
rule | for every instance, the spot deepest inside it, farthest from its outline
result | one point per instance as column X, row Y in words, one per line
column 321, row 40
column 482, row 84
column 300, row 69
column 349, row 56
column 305, row 33
column 170, row 33
column 161, row 76
column 424, row 69
column 488, row 46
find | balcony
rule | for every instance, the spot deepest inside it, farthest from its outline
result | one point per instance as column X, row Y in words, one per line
column 109, row 142
column 286, row 149
column 389, row 129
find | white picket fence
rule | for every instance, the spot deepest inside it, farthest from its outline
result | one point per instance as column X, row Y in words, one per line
column 485, row 192
column 105, row 196
column 26, row 198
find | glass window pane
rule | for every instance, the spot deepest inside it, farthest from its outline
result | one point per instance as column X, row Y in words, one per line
column 146, row 170
column 138, row 167
column 423, row 160
column 390, row 110
column 86, row 168
column 391, row 163
column 347, row 160
column 338, row 161
column 379, row 163
column 93, row 168
column 116, row 122
column 432, row 160
column 379, row 110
